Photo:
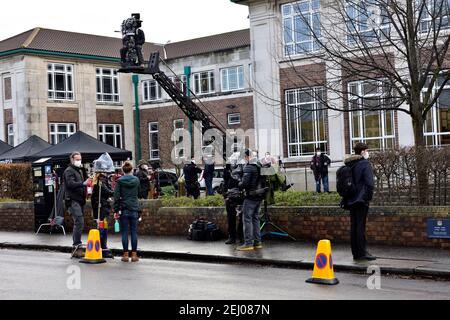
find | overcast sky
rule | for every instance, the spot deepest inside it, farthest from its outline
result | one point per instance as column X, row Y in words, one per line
column 164, row 20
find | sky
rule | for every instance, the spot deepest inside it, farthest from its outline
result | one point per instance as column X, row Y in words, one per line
column 164, row 20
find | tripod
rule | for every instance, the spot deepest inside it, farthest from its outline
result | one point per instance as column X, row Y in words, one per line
column 267, row 222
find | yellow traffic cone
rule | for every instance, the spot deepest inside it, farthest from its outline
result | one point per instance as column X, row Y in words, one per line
column 323, row 266
column 93, row 253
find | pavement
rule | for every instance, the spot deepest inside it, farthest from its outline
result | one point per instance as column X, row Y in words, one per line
column 421, row 262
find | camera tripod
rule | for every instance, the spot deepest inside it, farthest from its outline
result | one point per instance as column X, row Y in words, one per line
column 267, row 222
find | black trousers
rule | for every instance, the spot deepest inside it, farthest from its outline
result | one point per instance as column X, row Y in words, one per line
column 358, row 219
column 234, row 233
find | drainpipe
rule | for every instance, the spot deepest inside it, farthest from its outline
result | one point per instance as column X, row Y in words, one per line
column 135, row 79
column 187, row 73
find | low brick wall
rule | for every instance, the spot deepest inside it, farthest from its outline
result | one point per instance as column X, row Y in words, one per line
column 399, row 226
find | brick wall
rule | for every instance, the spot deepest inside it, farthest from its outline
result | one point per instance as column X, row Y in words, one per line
column 17, row 216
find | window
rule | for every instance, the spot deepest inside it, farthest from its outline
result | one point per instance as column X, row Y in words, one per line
column 298, row 20
column 152, row 91
column 11, row 134
column 232, row 78
column 7, row 89
column 234, row 118
column 180, row 82
column 61, row 131
column 204, row 82
column 153, row 128
column 437, row 125
column 178, row 125
column 366, row 21
column 373, row 127
column 110, row 134
column 60, row 81
column 107, row 85
column 306, row 121
column 434, row 13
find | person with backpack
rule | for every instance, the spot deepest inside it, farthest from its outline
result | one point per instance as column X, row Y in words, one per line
column 355, row 184
column 319, row 165
column 254, row 194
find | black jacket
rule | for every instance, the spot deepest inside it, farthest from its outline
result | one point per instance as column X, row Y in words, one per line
column 144, row 181
column 363, row 178
column 319, row 165
column 250, row 180
column 106, row 193
column 191, row 172
column 73, row 182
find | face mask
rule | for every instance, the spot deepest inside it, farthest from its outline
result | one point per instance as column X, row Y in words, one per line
column 193, row 161
column 319, row 154
column 77, row 164
column 366, row 155
column 145, row 167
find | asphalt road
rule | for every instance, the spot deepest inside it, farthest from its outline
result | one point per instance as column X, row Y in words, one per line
column 42, row 275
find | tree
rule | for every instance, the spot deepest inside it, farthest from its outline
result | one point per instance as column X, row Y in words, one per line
column 399, row 48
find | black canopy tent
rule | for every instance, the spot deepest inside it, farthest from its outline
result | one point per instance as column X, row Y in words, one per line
column 25, row 151
column 4, row 147
column 89, row 147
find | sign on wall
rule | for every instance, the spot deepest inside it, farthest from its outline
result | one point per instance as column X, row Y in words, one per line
column 438, row 228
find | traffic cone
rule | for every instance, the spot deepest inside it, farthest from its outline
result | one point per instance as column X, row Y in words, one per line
column 93, row 254
column 323, row 266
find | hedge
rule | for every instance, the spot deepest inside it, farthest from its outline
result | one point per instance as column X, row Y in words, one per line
column 16, row 182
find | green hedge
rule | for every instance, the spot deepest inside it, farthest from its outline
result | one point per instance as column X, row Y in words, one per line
column 282, row 199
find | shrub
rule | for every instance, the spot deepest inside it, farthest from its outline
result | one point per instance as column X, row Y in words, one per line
column 16, row 182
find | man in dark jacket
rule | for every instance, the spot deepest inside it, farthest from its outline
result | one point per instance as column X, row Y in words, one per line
column 144, row 179
column 101, row 206
column 75, row 185
column 319, row 165
column 191, row 172
column 252, row 203
column 358, row 204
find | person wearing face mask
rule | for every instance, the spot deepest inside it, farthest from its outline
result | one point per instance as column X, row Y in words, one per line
column 144, row 179
column 75, row 196
column 319, row 165
column 358, row 203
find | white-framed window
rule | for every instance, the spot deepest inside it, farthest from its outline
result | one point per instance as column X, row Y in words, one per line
column 435, row 12
column 7, row 89
column 180, row 82
column 375, row 128
column 204, row 82
column 107, row 85
column 60, row 81
column 437, row 124
column 153, row 129
column 61, row 131
column 151, row 91
column 232, row 78
column 366, row 21
column 111, row 134
column 234, row 118
column 178, row 125
column 11, row 134
column 298, row 20
column 306, row 118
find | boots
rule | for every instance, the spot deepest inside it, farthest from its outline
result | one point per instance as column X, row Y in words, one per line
column 125, row 257
column 134, row 257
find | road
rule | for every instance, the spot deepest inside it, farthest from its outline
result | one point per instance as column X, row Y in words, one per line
column 43, row 275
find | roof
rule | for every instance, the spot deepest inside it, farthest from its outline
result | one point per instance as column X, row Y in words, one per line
column 25, row 150
column 41, row 40
column 4, row 147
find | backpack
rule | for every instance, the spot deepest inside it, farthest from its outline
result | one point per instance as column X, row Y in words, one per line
column 202, row 230
column 344, row 182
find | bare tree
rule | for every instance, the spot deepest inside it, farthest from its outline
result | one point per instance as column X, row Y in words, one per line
column 400, row 47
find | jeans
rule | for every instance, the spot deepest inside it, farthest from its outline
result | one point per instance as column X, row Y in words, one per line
column 76, row 211
column 358, row 218
column 209, row 186
column 250, row 213
column 129, row 221
column 324, row 180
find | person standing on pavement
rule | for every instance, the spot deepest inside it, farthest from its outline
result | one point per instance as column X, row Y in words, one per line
column 100, row 195
column 232, row 175
column 75, row 182
column 208, row 175
column 191, row 172
column 144, row 179
column 358, row 203
column 126, row 208
column 319, row 165
column 252, row 203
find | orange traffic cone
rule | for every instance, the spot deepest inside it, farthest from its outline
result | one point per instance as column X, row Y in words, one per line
column 323, row 266
column 93, row 254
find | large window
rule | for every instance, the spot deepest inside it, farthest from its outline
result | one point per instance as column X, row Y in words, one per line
column 110, row 134
column 232, row 78
column 60, row 81
column 7, row 89
column 107, row 85
column 61, row 131
column 298, row 20
column 435, row 14
column 437, row 125
column 11, row 134
column 151, row 91
column 306, row 121
column 372, row 126
column 204, row 82
column 153, row 129
column 178, row 126
column 366, row 21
